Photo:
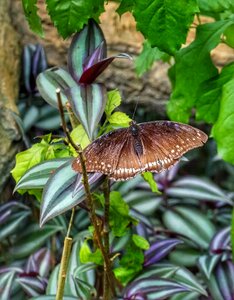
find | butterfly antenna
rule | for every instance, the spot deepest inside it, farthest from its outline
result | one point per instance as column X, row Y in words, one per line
column 134, row 112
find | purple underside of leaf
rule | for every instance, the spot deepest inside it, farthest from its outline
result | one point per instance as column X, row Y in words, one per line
column 225, row 279
column 159, row 250
column 83, row 46
column 91, row 73
column 153, row 284
column 39, row 63
column 221, row 241
column 98, row 55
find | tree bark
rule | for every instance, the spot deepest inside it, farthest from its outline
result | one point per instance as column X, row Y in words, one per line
column 9, row 83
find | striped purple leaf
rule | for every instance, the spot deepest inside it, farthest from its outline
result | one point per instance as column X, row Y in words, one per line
column 221, row 241
column 159, row 249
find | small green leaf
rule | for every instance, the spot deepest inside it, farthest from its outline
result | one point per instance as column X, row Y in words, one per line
column 130, row 263
column 70, row 16
column 80, row 137
column 147, row 57
column 148, row 177
column 222, row 130
column 165, row 23
column 30, row 11
column 29, row 158
column 140, row 242
column 86, row 255
column 113, row 101
column 119, row 118
column 229, row 35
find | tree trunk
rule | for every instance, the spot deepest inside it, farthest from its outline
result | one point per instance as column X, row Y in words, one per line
column 9, row 74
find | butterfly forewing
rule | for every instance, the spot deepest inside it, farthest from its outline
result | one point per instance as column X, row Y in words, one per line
column 152, row 146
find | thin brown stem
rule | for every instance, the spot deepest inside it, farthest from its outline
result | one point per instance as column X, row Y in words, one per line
column 63, row 267
column 89, row 198
column 106, row 229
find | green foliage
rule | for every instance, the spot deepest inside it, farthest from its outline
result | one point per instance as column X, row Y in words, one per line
column 147, row 57
column 120, row 119
column 223, row 128
column 194, row 66
column 30, row 11
column 165, row 23
column 210, row 95
column 229, row 36
column 113, row 101
column 120, row 219
column 79, row 136
column 140, row 242
column 130, row 263
column 70, row 16
column 148, row 177
column 86, row 255
column 125, row 5
column 39, row 152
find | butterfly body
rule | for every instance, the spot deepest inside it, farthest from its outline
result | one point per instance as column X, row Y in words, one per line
column 153, row 146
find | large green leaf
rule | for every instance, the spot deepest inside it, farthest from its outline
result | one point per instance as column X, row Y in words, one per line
column 216, row 6
column 210, row 93
column 88, row 104
column 70, row 16
column 30, row 11
column 194, row 66
column 52, row 79
column 165, row 23
column 223, row 128
column 191, row 223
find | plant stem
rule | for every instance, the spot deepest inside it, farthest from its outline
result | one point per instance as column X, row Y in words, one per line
column 106, row 190
column 89, row 198
column 63, row 267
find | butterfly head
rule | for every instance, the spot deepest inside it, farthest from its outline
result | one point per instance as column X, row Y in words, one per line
column 134, row 128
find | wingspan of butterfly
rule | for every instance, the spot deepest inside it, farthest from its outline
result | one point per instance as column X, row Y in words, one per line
column 153, row 146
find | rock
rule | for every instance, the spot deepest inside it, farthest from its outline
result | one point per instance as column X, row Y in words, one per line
column 9, row 85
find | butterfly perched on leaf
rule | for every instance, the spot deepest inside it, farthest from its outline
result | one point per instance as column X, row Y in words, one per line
column 153, row 146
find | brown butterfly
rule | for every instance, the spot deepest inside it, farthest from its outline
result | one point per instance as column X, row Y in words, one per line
column 153, row 146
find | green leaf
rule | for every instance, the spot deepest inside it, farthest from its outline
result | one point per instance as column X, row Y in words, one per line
column 191, row 223
column 30, row 11
column 222, row 130
column 210, row 93
column 140, row 242
column 113, row 101
column 86, row 255
column 148, row 177
column 32, row 239
column 229, row 35
column 165, row 23
column 194, row 66
column 130, row 263
column 119, row 118
column 80, row 137
column 125, row 6
column 215, row 6
column 232, row 235
column 147, row 57
column 70, row 16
